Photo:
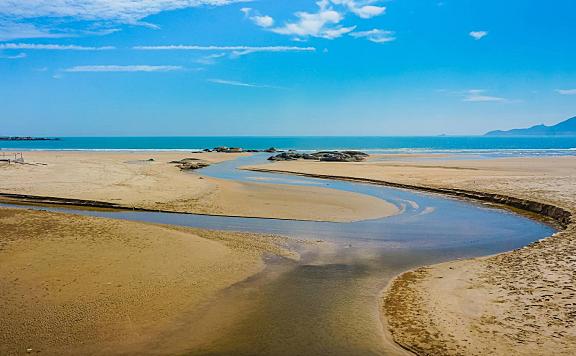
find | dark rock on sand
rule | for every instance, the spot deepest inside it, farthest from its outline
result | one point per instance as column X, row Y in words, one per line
column 190, row 164
column 325, row 156
column 228, row 149
column 286, row 156
column 238, row 150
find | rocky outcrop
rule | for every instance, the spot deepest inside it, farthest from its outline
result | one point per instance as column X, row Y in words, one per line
column 228, row 149
column 225, row 149
column 325, row 156
column 190, row 164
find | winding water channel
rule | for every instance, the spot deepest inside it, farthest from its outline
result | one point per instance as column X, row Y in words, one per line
column 328, row 302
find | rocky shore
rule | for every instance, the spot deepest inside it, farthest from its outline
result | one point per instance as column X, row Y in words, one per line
column 324, row 156
column 224, row 149
column 291, row 155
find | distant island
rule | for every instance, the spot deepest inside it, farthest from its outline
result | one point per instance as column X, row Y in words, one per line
column 27, row 138
column 565, row 128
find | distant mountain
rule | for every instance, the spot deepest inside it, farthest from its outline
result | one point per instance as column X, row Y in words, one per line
column 565, row 128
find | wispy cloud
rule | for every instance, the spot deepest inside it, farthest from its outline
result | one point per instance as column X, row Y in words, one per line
column 56, row 14
column 16, row 56
column 479, row 95
column 375, row 35
column 566, row 91
column 252, row 49
column 326, row 22
column 10, row 30
column 478, row 35
column 232, row 51
column 123, row 68
column 211, row 58
column 121, row 11
column 241, row 84
column 52, row 47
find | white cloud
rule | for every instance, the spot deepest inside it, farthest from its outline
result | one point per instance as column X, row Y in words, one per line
column 361, row 9
column 479, row 95
column 122, row 11
column 369, row 11
column 375, row 35
column 327, row 21
column 336, row 32
column 123, row 68
column 259, row 20
column 263, row 21
column 478, row 35
column 566, row 91
column 241, row 84
column 52, row 47
column 322, row 24
column 10, row 30
column 211, row 58
column 104, row 13
column 235, row 51
column 16, row 56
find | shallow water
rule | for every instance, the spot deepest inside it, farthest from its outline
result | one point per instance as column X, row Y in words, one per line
column 327, row 303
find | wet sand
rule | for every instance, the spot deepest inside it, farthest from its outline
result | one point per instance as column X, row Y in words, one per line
column 521, row 302
column 129, row 179
column 81, row 285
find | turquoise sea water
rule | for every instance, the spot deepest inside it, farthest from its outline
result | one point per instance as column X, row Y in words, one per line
column 516, row 145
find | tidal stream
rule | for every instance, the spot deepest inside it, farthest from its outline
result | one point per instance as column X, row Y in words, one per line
column 328, row 302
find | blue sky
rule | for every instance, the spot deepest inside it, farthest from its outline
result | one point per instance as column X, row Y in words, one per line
column 333, row 67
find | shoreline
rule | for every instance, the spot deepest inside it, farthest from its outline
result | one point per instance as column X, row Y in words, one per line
column 559, row 215
column 548, row 213
column 428, row 322
column 153, row 182
column 35, row 200
column 143, row 279
column 562, row 218
column 386, row 327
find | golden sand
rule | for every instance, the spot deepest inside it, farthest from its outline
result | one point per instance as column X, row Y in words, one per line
column 517, row 303
column 130, row 179
column 81, row 285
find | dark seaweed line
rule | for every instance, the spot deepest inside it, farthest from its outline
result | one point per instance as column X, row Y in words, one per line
column 95, row 204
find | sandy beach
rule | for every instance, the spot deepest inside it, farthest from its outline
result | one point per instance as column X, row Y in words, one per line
column 516, row 303
column 130, row 179
column 80, row 285
column 146, row 283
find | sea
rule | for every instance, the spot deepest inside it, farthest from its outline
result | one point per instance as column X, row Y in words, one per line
column 500, row 146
